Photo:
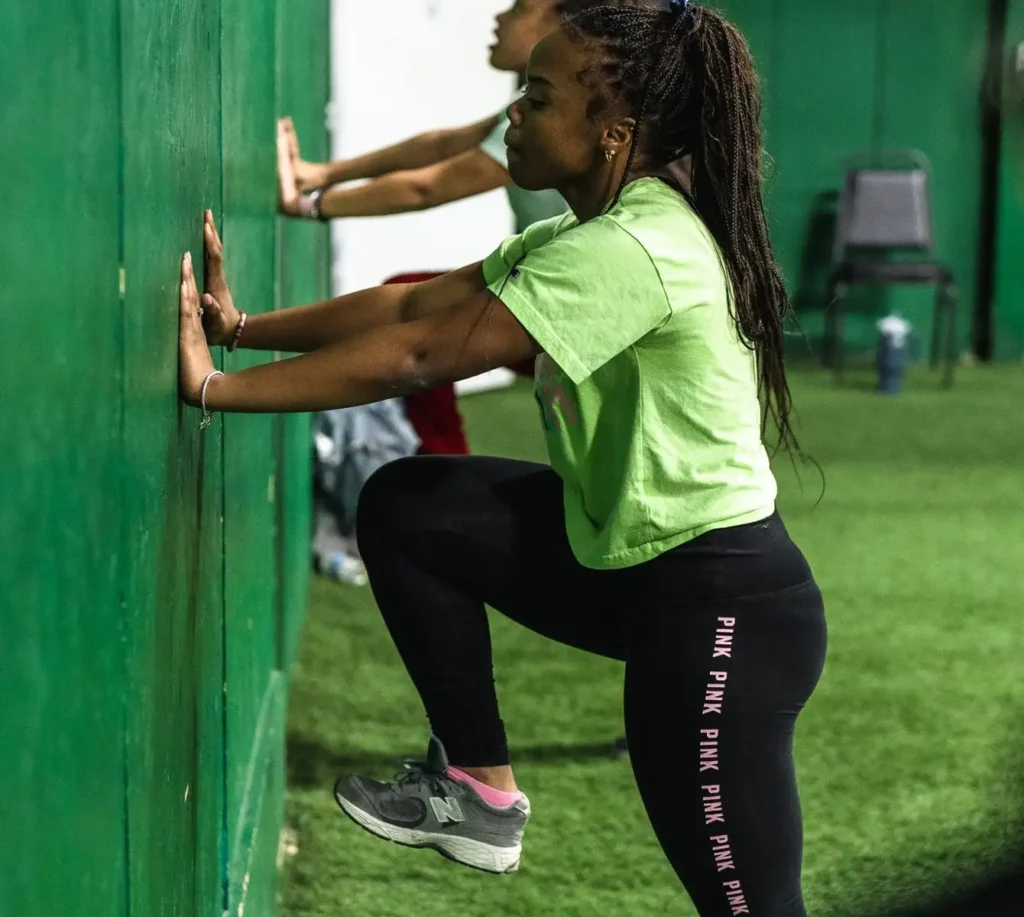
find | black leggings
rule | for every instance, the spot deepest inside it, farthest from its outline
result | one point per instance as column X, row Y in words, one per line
column 723, row 639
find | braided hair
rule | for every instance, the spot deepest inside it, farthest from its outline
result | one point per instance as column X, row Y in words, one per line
column 572, row 7
column 688, row 79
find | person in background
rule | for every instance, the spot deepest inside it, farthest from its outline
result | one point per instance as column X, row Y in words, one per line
column 657, row 314
column 438, row 167
column 427, row 171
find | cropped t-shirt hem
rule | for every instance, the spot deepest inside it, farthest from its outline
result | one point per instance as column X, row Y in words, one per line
column 633, row 557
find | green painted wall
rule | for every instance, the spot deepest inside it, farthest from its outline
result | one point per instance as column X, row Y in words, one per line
column 1009, row 306
column 841, row 79
column 154, row 579
column 62, row 663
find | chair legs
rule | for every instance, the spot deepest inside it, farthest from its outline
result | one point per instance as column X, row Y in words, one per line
column 951, row 295
column 944, row 343
column 834, row 332
column 944, row 332
column 938, row 320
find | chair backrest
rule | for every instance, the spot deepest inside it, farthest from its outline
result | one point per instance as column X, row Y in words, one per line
column 885, row 209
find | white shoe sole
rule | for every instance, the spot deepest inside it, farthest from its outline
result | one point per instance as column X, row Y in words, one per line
column 475, row 854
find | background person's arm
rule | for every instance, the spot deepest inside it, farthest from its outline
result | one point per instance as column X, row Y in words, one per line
column 415, row 153
column 466, row 175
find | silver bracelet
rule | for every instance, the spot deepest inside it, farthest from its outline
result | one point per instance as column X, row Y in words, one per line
column 207, row 416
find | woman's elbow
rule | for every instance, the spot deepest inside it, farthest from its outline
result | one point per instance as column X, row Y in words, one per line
column 418, row 371
column 422, row 194
column 430, row 365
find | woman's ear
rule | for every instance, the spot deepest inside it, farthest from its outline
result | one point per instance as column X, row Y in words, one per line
column 619, row 135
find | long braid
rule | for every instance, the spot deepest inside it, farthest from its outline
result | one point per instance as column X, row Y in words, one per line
column 689, row 79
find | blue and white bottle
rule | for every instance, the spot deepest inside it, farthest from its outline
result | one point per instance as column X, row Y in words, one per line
column 893, row 353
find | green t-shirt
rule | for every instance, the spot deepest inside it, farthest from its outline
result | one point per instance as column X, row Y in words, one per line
column 648, row 396
column 529, row 207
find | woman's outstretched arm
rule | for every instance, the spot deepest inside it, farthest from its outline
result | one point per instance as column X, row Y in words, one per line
column 306, row 328
column 415, row 153
column 470, row 337
column 466, row 175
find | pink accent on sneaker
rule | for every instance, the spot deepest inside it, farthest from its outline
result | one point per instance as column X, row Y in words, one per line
column 497, row 798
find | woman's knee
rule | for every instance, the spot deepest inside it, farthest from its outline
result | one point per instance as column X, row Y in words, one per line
column 380, row 496
column 396, row 495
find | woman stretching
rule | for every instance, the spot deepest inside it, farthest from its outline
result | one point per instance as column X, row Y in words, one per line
column 653, row 537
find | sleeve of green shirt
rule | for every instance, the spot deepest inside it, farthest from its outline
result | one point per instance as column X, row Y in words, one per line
column 515, row 248
column 585, row 295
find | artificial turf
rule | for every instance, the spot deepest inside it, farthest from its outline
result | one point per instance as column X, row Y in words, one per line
column 908, row 754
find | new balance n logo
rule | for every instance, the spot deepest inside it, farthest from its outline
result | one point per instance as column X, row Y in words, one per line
column 447, row 811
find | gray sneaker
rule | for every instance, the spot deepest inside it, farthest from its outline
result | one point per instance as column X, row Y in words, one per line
column 425, row 807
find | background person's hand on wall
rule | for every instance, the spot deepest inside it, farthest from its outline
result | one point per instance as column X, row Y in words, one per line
column 309, row 176
column 289, row 197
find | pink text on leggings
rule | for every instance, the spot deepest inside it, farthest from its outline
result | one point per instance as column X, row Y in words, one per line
column 714, row 810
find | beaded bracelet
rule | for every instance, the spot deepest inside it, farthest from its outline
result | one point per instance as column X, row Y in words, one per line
column 239, row 328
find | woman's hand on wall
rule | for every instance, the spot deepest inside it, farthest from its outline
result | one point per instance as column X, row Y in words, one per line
column 194, row 360
column 309, row 176
column 220, row 317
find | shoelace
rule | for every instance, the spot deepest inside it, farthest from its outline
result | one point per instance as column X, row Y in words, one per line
column 417, row 772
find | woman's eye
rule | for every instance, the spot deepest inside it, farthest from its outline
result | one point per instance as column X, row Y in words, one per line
column 531, row 100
